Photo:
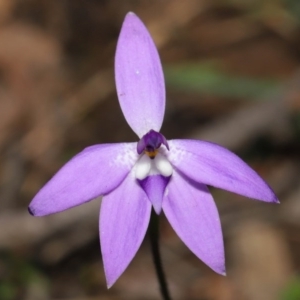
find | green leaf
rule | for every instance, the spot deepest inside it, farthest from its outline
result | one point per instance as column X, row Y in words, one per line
column 205, row 78
column 292, row 291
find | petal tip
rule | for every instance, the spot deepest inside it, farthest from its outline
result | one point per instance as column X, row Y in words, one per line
column 272, row 198
column 111, row 278
column 31, row 211
column 157, row 209
column 109, row 284
column 220, row 270
column 130, row 16
column 275, row 199
column 130, row 13
column 223, row 273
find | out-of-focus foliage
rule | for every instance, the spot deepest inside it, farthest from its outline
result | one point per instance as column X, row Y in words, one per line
column 209, row 79
column 293, row 6
column 292, row 291
column 24, row 281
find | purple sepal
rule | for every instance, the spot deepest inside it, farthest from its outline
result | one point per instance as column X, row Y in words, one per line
column 154, row 186
column 124, row 219
column 214, row 165
column 151, row 141
column 191, row 211
column 95, row 171
column 139, row 77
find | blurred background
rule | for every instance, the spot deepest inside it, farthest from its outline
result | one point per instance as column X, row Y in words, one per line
column 232, row 70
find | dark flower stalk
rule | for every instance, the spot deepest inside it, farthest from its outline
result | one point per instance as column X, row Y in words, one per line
column 154, row 240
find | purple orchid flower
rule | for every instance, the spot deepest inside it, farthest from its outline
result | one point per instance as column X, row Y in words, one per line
column 132, row 177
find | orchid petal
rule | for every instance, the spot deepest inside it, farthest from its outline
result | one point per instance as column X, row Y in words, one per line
column 154, row 186
column 124, row 218
column 139, row 77
column 191, row 211
column 214, row 165
column 95, row 171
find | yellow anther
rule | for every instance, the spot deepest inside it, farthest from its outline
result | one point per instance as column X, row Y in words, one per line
column 151, row 154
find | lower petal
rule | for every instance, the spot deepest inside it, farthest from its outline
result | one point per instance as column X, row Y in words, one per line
column 191, row 211
column 124, row 218
column 154, row 186
column 93, row 172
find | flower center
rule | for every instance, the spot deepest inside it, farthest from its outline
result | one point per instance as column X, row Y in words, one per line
column 150, row 143
column 151, row 161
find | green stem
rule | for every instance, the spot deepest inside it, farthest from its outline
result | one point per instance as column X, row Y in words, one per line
column 154, row 236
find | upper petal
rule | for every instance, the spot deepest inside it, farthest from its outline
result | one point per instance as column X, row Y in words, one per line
column 93, row 172
column 191, row 211
column 214, row 165
column 124, row 218
column 139, row 77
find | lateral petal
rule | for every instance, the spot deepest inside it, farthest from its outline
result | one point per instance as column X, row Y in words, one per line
column 95, row 171
column 214, row 165
column 139, row 77
column 192, row 213
column 124, row 218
